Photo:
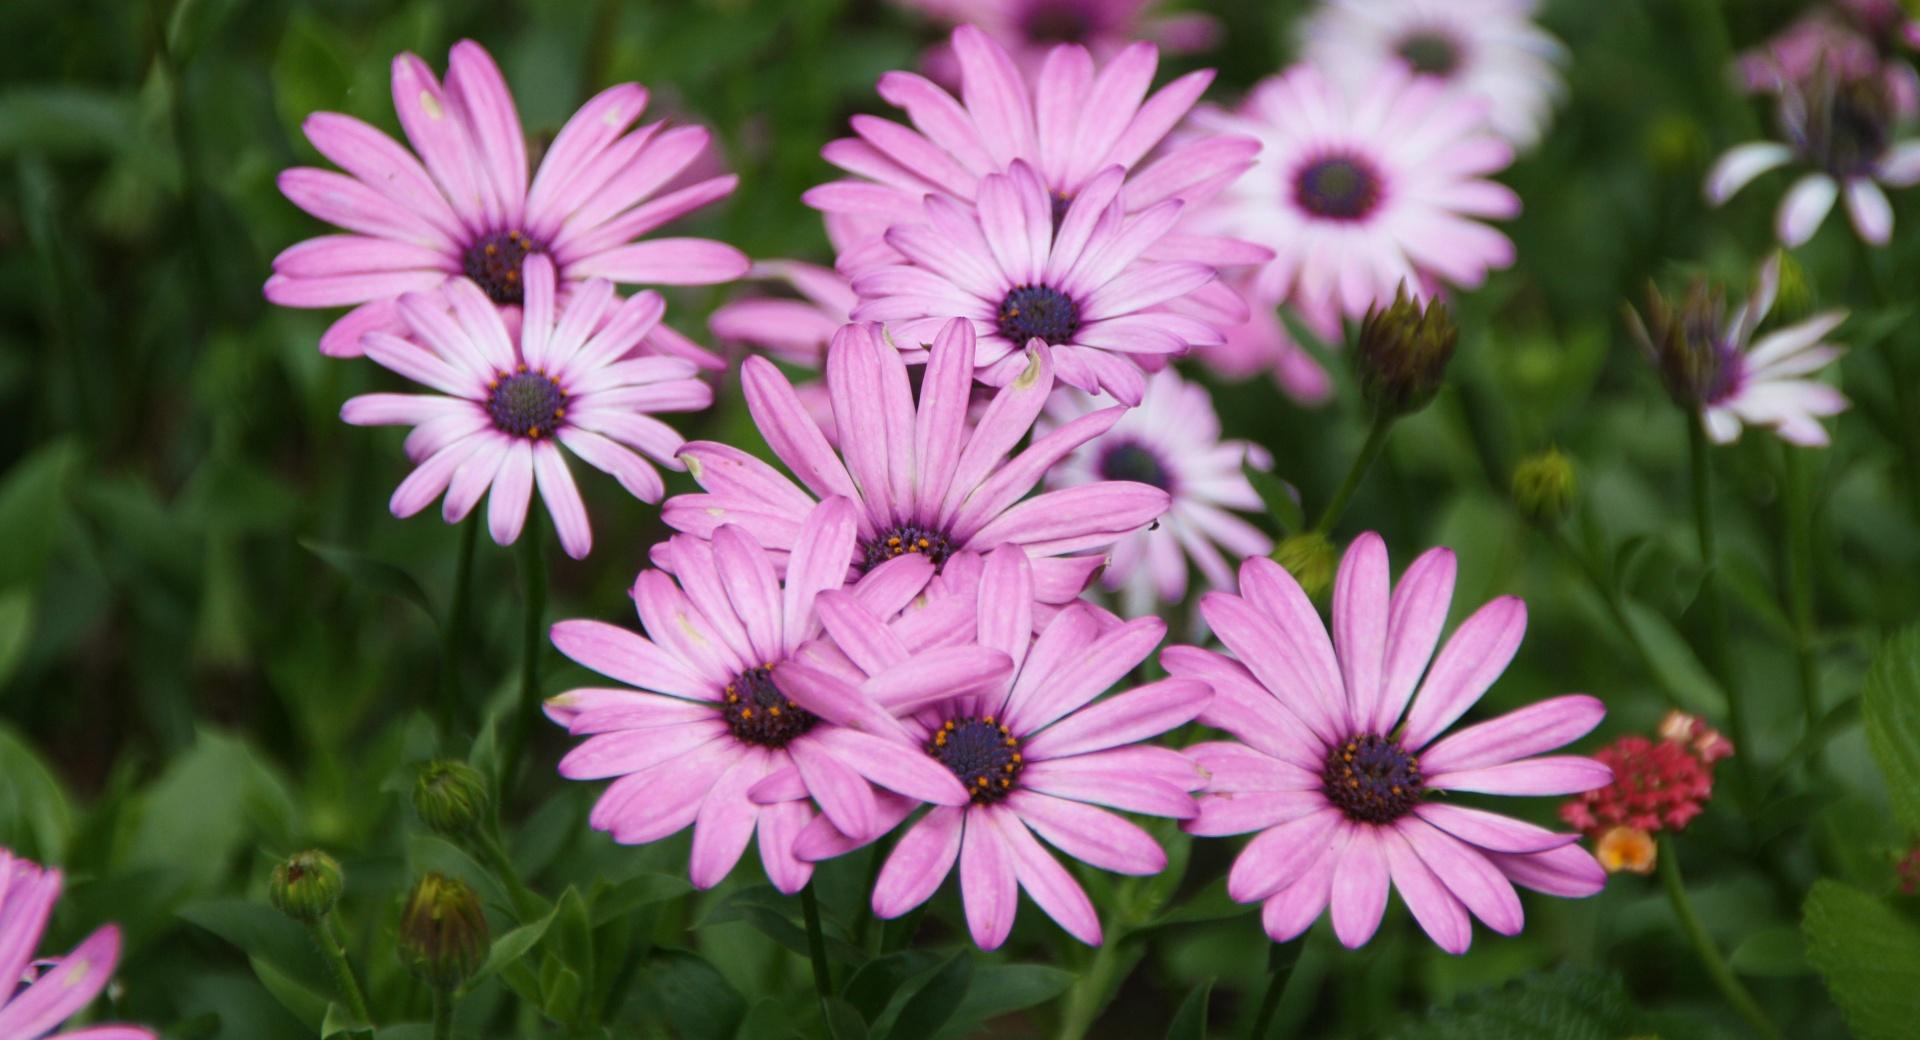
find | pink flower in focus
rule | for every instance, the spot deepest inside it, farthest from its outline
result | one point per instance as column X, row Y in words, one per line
column 1082, row 284
column 507, row 403
column 59, row 990
column 471, row 210
column 1339, row 754
column 1029, row 30
column 1172, row 442
column 720, row 713
column 1358, row 195
column 1039, row 754
column 927, row 480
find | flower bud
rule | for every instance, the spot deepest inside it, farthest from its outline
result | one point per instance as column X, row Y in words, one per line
column 1544, row 487
column 1688, row 344
column 1403, row 353
column 450, row 797
column 443, row 931
column 1794, row 297
column 306, row 886
column 1310, row 558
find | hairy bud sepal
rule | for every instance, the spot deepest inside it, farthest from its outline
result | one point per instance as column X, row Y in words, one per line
column 1402, row 354
column 451, row 798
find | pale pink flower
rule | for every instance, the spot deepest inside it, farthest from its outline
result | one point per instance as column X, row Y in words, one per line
column 57, row 989
column 721, row 711
column 796, row 331
column 1263, row 343
column 927, row 479
column 1031, row 29
column 1850, row 39
column 507, row 403
column 472, row 210
column 1337, row 761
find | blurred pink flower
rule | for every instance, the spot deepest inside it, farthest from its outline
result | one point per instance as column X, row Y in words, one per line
column 58, row 990
column 1172, row 442
column 1262, row 343
column 1357, row 196
column 470, row 210
column 1484, row 50
column 1036, row 750
column 1850, row 39
column 724, row 713
column 1335, row 753
column 507, row 403
column 1031, row 29
column 793, row 330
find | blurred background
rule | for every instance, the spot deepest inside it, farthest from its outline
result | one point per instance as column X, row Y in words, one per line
column 217, row 647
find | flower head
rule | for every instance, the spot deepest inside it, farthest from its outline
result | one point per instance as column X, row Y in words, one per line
column 716, row 712
column 1340, row 764
column 1712, row 364
column 927, row 480
column 507, row 403
column 1658, row 785
column 37, row 996
column 1030, row 30
column 1039, row 752
column 1850, row 39
column 1842, row 132
column 1172, row 442
column 470, row 211
column 1484, row 50
column 1359, row 195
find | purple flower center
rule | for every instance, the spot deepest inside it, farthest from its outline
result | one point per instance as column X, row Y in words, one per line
column 982, row 753
column 1430, row 52
column 758, row 713
column 1049, row 22
column 527, row 404
column 1372, row 779
column 1131, row 460
column 1338, row 187
column 494, row 264
column 1031, row 311
column 904, row 539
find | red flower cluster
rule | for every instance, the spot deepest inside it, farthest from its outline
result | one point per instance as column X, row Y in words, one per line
column 1657, row 784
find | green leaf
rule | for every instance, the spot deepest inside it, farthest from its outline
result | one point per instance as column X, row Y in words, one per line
column 634, row 893
column 16, row 623
column 1776, row 952
column 1869, row 956
column 769, row 1020
column 1678, row 669
column 267, row 936
column 1211, row 903
column 843, row 1022
column 695, row 997
column 1565, row 1005
column 214, row 799
column 1891, row 707
column 1190, row 1021
column 377, row 575
column 34, row 816
column 1278, row 496
column 338, row 1021
column 33, row 499
column 66, row 121
column 1001, row 989
column 937, row 1000
column 512, row 946
column 873, row 985
column 763, row 907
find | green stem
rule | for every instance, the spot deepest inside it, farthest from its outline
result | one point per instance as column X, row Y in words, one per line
column 1616, row 610
column 817, row 947
column 1092, row 989
column 1376, row 440
column 1900, row 378
column 1719, row 661
column 1280, row 961
column 526, row 905
column 451, row 703
column 1800, row 508
column 533, row 598
column 336, row 959
column 1717, row 969
column 442, row 1014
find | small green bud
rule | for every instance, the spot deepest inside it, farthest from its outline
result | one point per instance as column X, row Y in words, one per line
column 450, row 797
column 1544, row 486
column 306, row 886
column 443, row 931
column 1403, row 353
column 1310, row 558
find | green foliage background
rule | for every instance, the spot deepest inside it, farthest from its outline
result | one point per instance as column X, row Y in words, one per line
column 218, row 648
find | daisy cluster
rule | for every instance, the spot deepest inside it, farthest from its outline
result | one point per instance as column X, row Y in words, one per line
column 898, row 629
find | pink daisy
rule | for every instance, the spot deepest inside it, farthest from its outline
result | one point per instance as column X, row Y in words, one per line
column 1484, row 50
column 1262, row 343
column 35, row 999
column 1082, row 285
column 1069, row 125
column 1337, row 764
column 927, row 480
column 470, row 209
column 1039, row 754
column 507, row 403
column 722, row 714
column 1852, row 39
column 1030, row 30
column 1172, row 442
column 1358, row 195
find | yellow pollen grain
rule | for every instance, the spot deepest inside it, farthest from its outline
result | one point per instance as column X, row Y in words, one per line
column 430, row 105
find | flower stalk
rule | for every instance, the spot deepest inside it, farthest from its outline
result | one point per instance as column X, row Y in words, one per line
column 1719, row 661
column 1710, row 959
column 1280, row 963
column 452, row 705
column 533, row 598
column 1370, row 450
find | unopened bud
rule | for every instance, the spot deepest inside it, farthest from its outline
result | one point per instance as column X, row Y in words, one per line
column 306, row 886
column 1403, row 352
column 443, row 931
column 1310, row 558
column 1688, row 344
column 1544, row 487
column 450, row 797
